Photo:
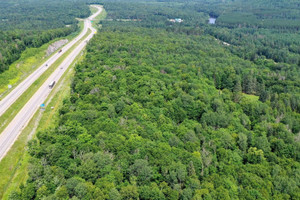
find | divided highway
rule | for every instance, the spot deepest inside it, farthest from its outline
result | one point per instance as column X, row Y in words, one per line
column 6, row 102
column 12, row 131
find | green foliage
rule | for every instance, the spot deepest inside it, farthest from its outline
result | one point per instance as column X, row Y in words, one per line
column 41, row 15
column 159, row 113
column 13, row 43
column 32, row 23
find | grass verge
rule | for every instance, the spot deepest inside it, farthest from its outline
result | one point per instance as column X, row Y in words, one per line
column 13, row 168
column 97, row 19
column 8, row 116
column 29, row 61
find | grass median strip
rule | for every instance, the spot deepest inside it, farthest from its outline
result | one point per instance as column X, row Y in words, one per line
column 30, row 60
column 8, row 116
column 99, row 17
column 13, row 168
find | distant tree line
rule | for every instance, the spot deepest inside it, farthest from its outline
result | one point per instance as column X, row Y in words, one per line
column 161, row 115
column 13, row 43
column 162, row 110
column 34, row 23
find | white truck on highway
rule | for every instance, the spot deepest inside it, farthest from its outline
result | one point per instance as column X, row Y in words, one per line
column 51, row 84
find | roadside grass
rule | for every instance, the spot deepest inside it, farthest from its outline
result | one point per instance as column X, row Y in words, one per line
column 8, row 116
column 30, row 60
column 97, row 19
column 14, row 167
column 93, row 9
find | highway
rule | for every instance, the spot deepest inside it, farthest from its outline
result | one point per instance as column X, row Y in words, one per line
column 7, row 101
column 13, row 130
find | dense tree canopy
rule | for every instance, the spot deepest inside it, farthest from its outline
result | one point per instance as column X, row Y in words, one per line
column 41, row 15
column 13, row 43
column 32, row 23
column 162, row 110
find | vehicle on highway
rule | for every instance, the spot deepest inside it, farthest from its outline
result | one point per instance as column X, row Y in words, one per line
column 51, row 84
column 14, row 128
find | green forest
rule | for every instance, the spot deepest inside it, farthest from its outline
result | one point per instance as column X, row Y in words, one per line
column 189, row 111
column 32, row 23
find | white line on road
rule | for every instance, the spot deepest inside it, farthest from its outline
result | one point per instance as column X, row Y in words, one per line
column 7, row 101
column 13, row 130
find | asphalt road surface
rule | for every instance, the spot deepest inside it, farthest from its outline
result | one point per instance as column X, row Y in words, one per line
column 13, row 130
column 6, row 102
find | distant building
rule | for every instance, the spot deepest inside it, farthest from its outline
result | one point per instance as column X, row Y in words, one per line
column 177, row 20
